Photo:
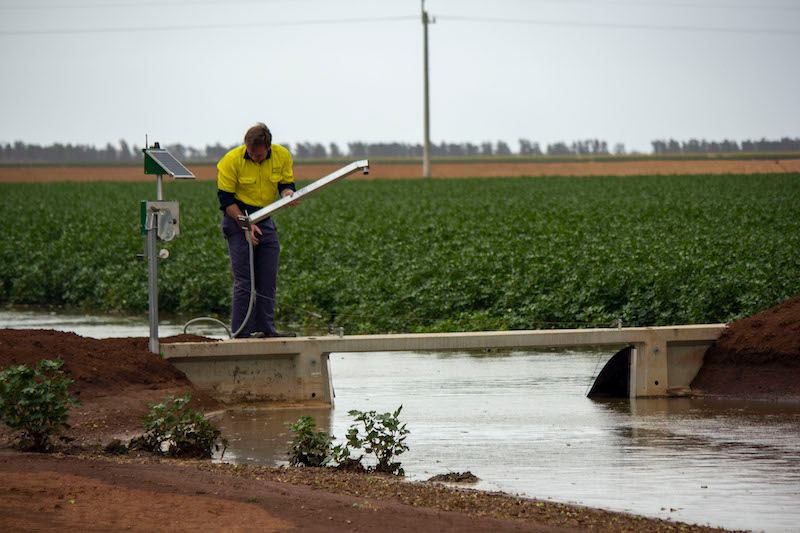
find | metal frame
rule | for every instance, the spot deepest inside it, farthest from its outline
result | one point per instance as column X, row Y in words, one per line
column 150, row 213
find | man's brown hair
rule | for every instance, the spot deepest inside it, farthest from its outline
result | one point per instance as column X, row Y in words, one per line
column 258, row 135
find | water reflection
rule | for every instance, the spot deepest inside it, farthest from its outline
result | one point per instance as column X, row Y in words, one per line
column 102, row 326
column 261, row 435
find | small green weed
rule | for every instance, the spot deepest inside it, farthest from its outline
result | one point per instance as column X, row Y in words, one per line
column 383, row 436
column 35, row 402
column 172, row 428
column 309, row 447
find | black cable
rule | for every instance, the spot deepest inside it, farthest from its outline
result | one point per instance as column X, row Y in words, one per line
column 604, row 25
column 273, row 24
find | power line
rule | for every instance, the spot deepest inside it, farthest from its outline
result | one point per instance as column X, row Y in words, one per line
column 725, row 6
column 155, row 3
column 178, row 3
column 604, row 25
column 456, row 18
column 208, row 26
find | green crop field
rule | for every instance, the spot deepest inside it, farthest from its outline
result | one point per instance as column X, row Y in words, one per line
column 431, row 255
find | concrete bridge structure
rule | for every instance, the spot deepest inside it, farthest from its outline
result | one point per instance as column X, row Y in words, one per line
column 664, row 360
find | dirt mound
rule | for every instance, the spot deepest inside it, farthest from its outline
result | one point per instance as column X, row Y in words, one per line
column 115, row 379
column 99, row 367
column 757, row 357
column 456, row 477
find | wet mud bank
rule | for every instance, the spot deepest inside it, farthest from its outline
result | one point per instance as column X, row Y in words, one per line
column 114, row 379
column 756, row 358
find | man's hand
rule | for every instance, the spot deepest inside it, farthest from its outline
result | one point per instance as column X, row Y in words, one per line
column 290, row 192
column 236, row 214
column 251, row 234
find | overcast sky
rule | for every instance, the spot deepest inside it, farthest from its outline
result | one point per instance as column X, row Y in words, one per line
column 200, row 72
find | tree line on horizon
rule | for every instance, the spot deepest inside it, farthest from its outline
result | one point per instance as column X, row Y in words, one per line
column 20, row 152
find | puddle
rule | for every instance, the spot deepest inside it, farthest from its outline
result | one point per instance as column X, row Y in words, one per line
column 102, row 327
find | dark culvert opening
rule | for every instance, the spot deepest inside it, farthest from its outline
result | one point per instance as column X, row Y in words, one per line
column 614, row 380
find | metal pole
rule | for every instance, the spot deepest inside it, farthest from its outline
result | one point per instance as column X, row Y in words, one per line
column 152, row 269
column 152, row 280
column 159, row 194
column 426, row 153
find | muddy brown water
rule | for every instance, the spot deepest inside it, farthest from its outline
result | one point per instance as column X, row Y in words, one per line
column 521, row 422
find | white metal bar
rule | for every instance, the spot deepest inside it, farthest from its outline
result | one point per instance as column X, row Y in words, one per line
column 343, row 172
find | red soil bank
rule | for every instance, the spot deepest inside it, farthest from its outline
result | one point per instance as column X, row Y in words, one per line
column 115, row 379
column 756, row 357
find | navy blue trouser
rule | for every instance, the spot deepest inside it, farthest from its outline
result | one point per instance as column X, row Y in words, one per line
column 265, row 266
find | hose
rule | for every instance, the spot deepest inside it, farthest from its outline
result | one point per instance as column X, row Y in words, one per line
column 249, row 305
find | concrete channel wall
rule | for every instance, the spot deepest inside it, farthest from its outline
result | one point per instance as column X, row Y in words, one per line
column 664, row 360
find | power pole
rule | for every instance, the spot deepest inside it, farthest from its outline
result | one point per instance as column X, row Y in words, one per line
column 426, row 151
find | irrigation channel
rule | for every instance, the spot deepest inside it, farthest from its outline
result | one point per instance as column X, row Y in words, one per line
column 521, row 422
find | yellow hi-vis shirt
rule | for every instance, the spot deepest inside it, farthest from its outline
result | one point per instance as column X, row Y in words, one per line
column 254, row 183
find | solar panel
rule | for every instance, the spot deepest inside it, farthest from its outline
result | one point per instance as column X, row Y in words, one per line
column 170, row 165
